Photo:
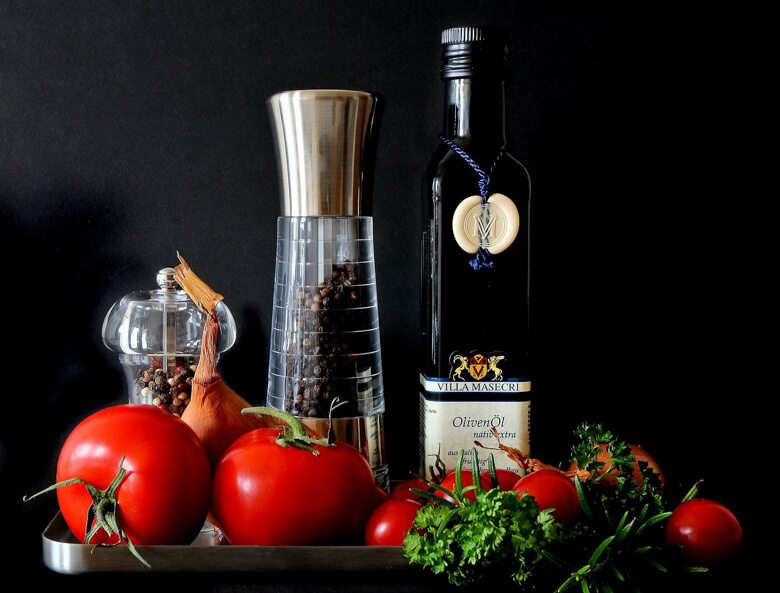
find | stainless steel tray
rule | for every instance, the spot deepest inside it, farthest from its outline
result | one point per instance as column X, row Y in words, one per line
column 64, row 554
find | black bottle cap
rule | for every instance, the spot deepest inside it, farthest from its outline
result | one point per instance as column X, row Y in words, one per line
column 474, row 51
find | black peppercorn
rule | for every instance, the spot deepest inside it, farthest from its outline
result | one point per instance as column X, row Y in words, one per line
column 171, row 392
column 327, row 309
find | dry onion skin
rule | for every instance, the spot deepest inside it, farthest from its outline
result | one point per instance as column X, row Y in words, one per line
column 214, row 412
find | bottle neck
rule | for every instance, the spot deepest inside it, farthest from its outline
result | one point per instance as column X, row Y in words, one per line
column 474, row 111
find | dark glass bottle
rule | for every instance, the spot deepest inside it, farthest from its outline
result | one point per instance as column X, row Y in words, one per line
column 474, row 313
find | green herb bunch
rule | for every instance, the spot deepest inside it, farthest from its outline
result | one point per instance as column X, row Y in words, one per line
column 497, row 532
column 616, row 543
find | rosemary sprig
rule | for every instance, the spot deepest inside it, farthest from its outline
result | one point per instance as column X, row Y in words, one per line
column 619, row 542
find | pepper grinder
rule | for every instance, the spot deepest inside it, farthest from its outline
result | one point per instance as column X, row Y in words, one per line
column 325, row 356
column 157, row 335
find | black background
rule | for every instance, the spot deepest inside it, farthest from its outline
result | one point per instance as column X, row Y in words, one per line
column 130, row 130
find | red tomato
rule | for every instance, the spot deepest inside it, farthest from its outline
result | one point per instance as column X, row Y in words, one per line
column 403, row 490
column 707, row 531
column 390, row 521
column 268, row 495
column 466, row 480
column 640, row 454
column 506, row 478
column 164, row 497
column 551, row 490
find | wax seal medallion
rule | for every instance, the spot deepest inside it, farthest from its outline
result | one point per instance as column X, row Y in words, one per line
column 492, row 226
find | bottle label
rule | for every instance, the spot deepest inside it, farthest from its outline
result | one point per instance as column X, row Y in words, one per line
column 446, row 427
column 506, row 386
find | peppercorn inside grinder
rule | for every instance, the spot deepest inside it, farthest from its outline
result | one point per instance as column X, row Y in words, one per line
column 157, row 334
column 325, row 353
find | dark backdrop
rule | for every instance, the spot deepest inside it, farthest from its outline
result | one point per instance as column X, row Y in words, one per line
column 130, row 130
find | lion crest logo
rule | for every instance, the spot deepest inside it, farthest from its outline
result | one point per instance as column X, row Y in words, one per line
column 477, row 365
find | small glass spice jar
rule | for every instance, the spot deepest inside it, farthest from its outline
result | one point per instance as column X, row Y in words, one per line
column 157, row 334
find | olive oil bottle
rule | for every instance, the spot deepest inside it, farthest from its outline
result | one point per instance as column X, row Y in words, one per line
column 475, row 382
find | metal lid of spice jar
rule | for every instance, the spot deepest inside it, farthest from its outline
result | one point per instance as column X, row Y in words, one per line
column 157, row 334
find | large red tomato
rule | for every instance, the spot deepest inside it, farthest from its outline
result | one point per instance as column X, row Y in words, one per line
column 269, row 495
column 164, row 496
column 552, row 490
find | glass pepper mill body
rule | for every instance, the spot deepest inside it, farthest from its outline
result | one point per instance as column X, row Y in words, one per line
column 325, row 358
column 157, row 335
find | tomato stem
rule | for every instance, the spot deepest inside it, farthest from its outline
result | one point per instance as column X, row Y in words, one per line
column 334, row 404
column 294, row 434
column 102, row 511
column 291, row 421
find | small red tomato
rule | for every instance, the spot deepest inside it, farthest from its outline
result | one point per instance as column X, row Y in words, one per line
column 403, row 490
column 707, row 531
column 466, row 480
column 506, row 478
column 390, row 521
column 640, row 454
column 551, row 490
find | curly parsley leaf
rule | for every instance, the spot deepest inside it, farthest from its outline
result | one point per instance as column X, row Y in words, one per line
column 599, row 452
column 468, row 541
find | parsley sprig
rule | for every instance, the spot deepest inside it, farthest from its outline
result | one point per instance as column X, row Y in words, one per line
column 592, row 442
column 496, row 532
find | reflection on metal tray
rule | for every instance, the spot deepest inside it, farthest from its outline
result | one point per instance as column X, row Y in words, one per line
column 63, row 553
